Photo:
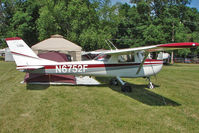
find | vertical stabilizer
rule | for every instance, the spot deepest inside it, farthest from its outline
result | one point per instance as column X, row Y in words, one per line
column 22, row 53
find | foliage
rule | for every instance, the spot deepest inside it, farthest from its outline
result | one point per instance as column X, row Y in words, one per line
column 51, row 19
column 90, row 22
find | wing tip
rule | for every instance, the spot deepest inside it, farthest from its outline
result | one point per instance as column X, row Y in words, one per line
column 195, row 44
column 13, row 38
column 180, row 45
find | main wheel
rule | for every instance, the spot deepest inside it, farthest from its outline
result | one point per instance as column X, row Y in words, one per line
column 114, row 82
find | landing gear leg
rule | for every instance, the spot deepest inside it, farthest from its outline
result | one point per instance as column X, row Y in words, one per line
column 150, row 85
column 125, row 87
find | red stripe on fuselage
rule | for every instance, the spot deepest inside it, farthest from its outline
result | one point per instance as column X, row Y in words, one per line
column 154, row 60
column 95, row 65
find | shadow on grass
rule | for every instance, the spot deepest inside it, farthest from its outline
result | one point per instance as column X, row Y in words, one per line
column 142, row 94
column 46, row 86
column 139, row 92
column 37, row 86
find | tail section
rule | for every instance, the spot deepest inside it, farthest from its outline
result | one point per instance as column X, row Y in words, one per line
column 23, row 54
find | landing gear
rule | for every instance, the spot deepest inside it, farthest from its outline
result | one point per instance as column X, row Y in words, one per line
column 150, row 85
column 114, row 82
column 124, row 88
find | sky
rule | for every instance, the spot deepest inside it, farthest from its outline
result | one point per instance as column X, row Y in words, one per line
column 194, row 3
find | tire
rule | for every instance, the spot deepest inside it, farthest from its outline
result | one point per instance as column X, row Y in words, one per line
column 113, row 82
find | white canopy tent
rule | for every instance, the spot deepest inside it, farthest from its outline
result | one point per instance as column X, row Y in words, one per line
column 59, row 44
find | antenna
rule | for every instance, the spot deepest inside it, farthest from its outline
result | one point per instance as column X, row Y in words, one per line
column 108, row 44
column 112, row 44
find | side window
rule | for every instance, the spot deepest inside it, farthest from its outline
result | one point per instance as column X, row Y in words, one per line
column 153, row 55
column 130, row 58
column 156, row 55
column 122, row 58
column 126, row 58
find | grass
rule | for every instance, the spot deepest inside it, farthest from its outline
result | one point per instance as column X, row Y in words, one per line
column 1, row 58
column 171, row 107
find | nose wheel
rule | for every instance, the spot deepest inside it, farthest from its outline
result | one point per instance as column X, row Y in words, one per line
column 150, row 85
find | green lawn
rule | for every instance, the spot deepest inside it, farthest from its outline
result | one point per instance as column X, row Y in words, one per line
column 173, row 106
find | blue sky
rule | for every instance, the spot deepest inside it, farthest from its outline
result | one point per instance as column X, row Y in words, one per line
column 194, row 3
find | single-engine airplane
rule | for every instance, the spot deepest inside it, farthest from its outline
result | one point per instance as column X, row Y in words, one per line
column 117, row 63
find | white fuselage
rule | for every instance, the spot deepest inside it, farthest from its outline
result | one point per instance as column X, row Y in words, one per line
column 101, row 68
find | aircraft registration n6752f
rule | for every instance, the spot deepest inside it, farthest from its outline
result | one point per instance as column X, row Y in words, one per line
column 129, row 63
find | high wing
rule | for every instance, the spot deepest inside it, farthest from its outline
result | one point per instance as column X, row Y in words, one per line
column 153, row 48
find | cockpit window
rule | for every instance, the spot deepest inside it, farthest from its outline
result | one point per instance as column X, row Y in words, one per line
column 126, row 58
column 103, row 57
column 153, row 55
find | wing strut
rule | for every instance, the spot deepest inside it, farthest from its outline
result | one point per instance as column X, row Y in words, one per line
column 146, row 55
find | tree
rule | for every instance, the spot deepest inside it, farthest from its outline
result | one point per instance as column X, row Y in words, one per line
column 90, row 22
column 19, row 19
column 52, row 19
column 132, row 27
column 153, row 35
column 108, row 20
column 125, row 35
column 157, row 6
column 6, row 13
